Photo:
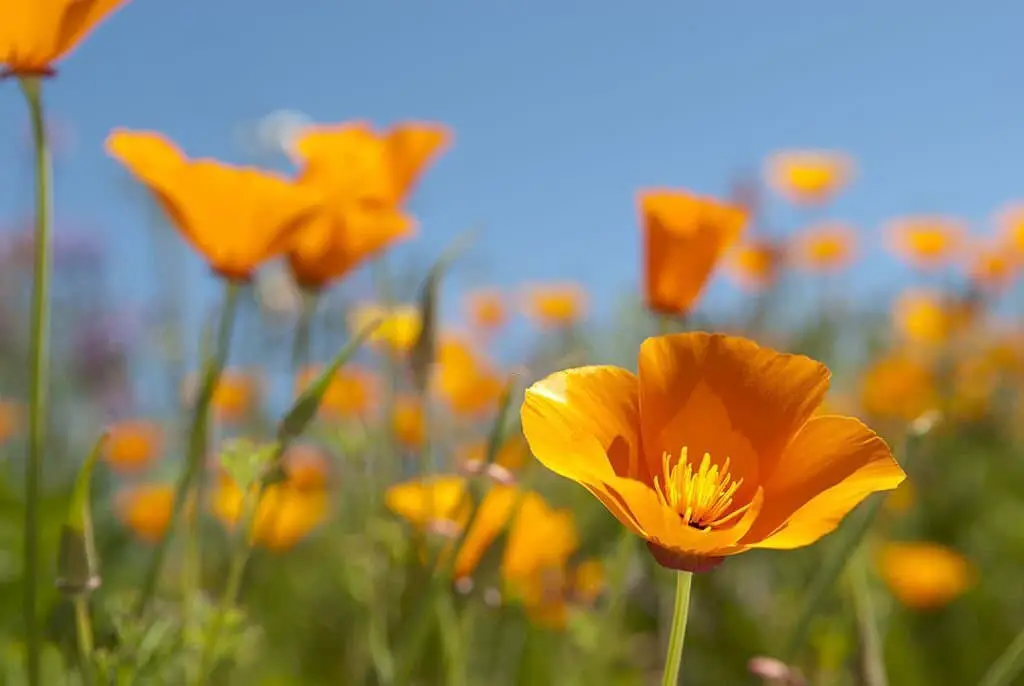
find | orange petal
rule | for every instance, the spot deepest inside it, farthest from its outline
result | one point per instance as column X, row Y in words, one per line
column 725, row 396
column 412, row 147
column 828, row 469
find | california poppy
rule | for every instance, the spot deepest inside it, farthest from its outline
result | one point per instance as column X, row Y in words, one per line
column 926, row 317
column 132, row 445
column 824, row 248
column 351, row 393
column 146, row 510
column 924, row 576
column 486, row 310
column 754, row 264
column 408, row 422
column 555, row 305
column 467, row 381
column 236, row 217
column 284, row 517
column 685, row 236
column 925, row 242
column 399, row 325
column 35, row 34
column 992, row 266
column 808, row 177
column 711, row 449
column 898, row 386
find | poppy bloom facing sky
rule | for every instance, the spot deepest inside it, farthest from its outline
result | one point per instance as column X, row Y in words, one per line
column 711, row 449
column 808, row 177
column 35, row 34
column 925, row 242
column 236, row 217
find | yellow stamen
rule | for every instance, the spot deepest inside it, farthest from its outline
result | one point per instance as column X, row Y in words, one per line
column 701, row 498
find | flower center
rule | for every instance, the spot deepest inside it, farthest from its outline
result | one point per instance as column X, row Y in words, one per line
column 702, row 498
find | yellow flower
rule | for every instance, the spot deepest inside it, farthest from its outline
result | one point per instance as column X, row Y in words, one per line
column 898, row 386
column 408, row 422
column 924, row 576
column 284, row 517
column 711, row 450
column 926, row 317
column 146, row 510
column 824, row 248
column 351, row 393
column 399, row 327
column 925, row 242
column 468, row 383
column 235, row 396
column 132, row 445
column 685, row 236
column 806, row 177
column 555, row 305
column 754, row 264
column 486, row 310
column 306, row 467
column 35, row 34
column 993, row 266
column 237, row 218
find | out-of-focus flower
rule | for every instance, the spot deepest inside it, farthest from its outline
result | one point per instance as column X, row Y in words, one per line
column 589, row 581
column 808, row 177
column 36, row 34
column 776, row 672
column 408, row 422
column 352, row 392
column 236, row 217
column 992, row 267
column 927, row 317
column 555, row 305
column 468, row 383
column 826, row 248
column 285, row 515
column 399, row 327
column 685, row 237
column 974, row 382
column 367, row 177
column 754, row 264
column 11, row 414
column 307, row 467
column 898, row 386
column 146, row 510
column 711, row 450
column 1010, row 228
column 234, row 397
column 513, row 454
column 132, row 445
column 276, row 291
column 924, row 576
column 925, row 242
column 485, row 310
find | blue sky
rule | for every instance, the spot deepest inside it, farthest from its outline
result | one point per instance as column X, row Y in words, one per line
column 561, row 110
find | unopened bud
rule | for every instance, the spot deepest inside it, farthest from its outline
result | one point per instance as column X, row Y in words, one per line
column 773, row 670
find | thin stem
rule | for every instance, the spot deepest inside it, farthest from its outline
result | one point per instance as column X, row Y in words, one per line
column 680, row 613
column 664, row 325
column 303, row 331
column 1008, row 666
column 197, row 441
column 83, row 627
column 39, row 375
column 872, row 658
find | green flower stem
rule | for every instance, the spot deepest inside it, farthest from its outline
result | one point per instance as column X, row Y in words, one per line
column 303, row 331
column 1008, row 666
column 83, row 628
column 39, row 374
column 872, row 658
column 197, row 441
column 680, row 613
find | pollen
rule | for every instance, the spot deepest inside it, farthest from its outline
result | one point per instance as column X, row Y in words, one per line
column 702, row 497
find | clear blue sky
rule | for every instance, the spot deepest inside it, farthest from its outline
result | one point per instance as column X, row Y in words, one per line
column 562, row 110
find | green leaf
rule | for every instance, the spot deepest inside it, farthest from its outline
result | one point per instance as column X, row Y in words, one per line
column 77, row 566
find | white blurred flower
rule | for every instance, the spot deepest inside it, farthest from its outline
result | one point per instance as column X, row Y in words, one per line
column 276, row 292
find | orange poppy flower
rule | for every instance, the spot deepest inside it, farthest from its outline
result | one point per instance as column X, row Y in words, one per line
column 924, row 576
column 351, row 393
column 35, row 34
column 132, row 445
column 711, row 450
column 808, row 177
column 926, row 317
column 307, row 467
column 468, row 383
column 925, row 242
column 900, row 387
column 825, row 248
column 236, row 217
column 754, row 265
column 146, row 510
column 234, row 397
column 355, row 171
column 285, row 515
column 486, row 310
column 408, row 422
column 555, row 305
column 685, row 236
column 399, row 327
column 1010, row 225
column 992, row 267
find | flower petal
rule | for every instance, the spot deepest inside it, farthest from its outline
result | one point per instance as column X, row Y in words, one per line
column 830, row 467
column 725, row 396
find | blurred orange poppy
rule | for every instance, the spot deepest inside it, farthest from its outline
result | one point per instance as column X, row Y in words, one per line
column 408, row 422
column 808, row 177
column 1010, row 227
column 898, row 386
column 468, row 383
column 925, row 242
column 146, row 510
column 513, row 453
column 132, row 445
column 555, row 305
column 237, row 218
column 992, row 266
column 35, row 34
column 351, row 393
column 285, row 515
column 924, row 576
column 399, row 326
column 711, row 450
column 486, row 310
column 926, row 317
column 685, row 236
column 307, row 467
column 365, row 178
column 824, row 248
column 235, row 396
column 754, row 264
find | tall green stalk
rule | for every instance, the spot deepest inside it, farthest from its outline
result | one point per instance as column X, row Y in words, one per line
column 212, row 369
column 677, row 636
column 83, row 629
column 39, row 374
